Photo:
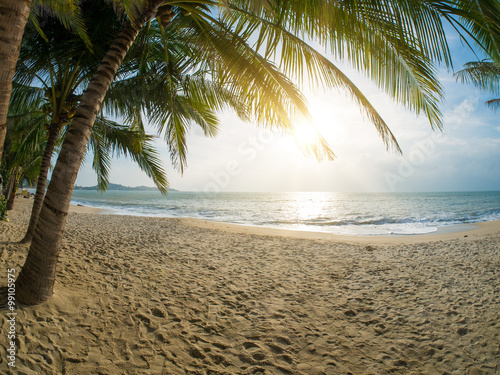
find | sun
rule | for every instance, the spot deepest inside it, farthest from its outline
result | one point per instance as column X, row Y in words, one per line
column 310, row 141
column 305, row 135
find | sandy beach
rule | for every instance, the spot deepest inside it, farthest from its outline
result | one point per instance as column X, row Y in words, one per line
column 139, row 295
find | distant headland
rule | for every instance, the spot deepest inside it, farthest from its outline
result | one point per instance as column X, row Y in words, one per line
column 121, row 187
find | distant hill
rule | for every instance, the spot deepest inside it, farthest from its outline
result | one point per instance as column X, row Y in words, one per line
column 121, row 187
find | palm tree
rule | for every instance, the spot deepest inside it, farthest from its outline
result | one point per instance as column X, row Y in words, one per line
column 393, row 41
column 485, row 75
column 61, row 69
column 62, row 66
column 13, row 18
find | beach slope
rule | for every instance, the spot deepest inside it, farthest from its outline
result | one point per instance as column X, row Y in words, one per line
column 138, row 295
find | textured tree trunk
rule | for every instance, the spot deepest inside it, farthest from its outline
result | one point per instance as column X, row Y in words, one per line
column 42, row 182
column 13, row 17
column 35, row 283
column 8, row 188
column 11, row 187
column 12, row 194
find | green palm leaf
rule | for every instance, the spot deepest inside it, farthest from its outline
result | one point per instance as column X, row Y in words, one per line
column 110, row 139
column 484, row 75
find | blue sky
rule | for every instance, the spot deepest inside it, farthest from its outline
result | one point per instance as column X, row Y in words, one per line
column 243, row 157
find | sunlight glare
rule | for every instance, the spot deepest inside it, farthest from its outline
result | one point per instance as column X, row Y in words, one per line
column 305, row 135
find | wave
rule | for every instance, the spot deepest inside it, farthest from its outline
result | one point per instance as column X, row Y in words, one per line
column 474, row 217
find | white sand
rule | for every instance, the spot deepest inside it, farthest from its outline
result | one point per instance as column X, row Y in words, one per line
column 140, row 295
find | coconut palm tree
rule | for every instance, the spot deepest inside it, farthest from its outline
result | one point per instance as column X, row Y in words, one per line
column 13, row 18
column 394, row 42
column 49, row 77
column 62, row 67
column 485, row 75
column 57, row 71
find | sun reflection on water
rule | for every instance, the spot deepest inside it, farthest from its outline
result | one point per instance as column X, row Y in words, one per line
column 311, row 206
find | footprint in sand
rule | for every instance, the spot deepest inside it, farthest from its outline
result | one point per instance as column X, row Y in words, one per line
column 276, row 349
column 254, row 351
column 249, row 345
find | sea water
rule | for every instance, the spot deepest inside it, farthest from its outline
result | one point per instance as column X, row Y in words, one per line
column 362, row 214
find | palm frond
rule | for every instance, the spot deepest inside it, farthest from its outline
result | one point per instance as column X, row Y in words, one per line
column 401, row 68
column 110, row 138
column 485, row 75
column 478, row 20
column 272, row 97
column 25, row 99
column 68, row 12
column 27, row 138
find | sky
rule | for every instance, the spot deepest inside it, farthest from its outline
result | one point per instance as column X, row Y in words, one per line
column 244, row 157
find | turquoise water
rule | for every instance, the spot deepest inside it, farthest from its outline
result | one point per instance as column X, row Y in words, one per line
column 339, row 213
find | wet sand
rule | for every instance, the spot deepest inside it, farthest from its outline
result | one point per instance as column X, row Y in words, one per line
column 138, row 295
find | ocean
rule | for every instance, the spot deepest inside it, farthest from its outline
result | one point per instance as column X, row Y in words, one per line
column 361, row 214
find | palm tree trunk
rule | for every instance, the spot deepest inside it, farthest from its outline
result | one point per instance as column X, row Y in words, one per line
column 42, row 181
column 11, row 187
column 8, row 188
column 12, row 195
column 13, row 18
column 35, row 283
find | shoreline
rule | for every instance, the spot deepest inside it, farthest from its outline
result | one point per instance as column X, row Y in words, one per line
column 445, row 232
column 473, row 231
column 81, row 209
